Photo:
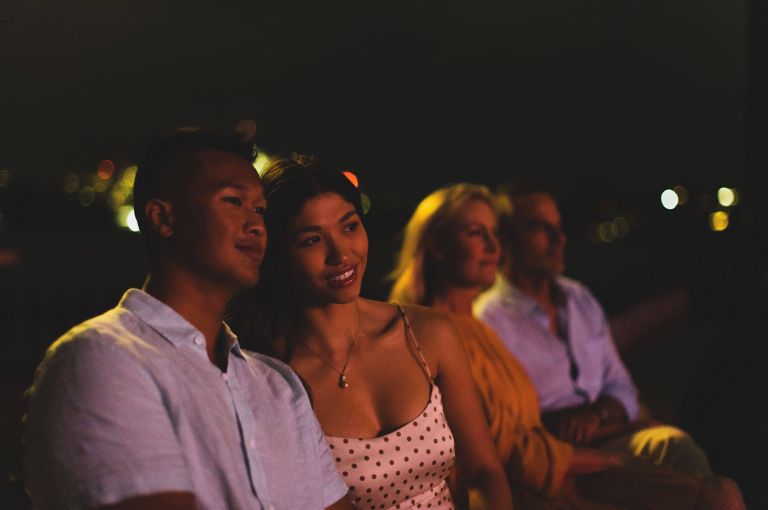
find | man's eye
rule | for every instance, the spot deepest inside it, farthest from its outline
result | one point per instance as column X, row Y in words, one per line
column 351, row 227
column 260, row 210
column 233, row 200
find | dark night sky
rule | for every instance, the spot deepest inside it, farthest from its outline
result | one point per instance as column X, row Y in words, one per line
column 640, row 93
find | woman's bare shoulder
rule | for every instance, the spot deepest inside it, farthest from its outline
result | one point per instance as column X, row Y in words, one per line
column 424, row 320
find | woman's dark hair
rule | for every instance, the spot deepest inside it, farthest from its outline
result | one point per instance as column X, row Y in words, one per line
column 262, row 317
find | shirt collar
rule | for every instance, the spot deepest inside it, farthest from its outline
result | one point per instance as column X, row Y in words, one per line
column 168, row 323
column 521, row 301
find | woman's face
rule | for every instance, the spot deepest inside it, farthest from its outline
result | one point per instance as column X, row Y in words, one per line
column 326, row 251
column 468, row 248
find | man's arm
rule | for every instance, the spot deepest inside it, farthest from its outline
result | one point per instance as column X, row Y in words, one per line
column 342, row 504
column 159, row 501
column 98, row 431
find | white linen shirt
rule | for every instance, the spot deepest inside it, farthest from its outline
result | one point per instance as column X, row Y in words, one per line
column 522, row 326
column 128, row 404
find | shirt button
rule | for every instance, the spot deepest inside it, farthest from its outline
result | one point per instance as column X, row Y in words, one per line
column 225, row 377
column 198, row 341
column 251, row 443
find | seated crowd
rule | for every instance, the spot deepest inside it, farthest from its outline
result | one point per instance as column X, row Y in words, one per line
column 311, row 396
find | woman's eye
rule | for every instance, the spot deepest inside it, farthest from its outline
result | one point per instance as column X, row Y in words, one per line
column 233, row 200
column 351, row 227
column 260, row 210
column 309, row 241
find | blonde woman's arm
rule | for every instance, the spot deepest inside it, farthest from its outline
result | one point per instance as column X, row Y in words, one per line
column 478, row 464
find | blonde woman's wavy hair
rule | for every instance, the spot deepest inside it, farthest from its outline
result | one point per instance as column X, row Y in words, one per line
column 413, row 275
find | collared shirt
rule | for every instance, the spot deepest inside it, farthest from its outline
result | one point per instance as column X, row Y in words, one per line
column 567, row 371
column 128, row 404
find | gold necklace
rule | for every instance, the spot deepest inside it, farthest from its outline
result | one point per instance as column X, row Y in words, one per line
column 342, row 381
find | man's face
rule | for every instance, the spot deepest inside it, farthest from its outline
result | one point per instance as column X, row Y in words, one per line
column 539, row 247
column 218, row 222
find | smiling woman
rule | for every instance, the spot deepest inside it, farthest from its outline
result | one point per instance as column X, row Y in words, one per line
column 390, row 384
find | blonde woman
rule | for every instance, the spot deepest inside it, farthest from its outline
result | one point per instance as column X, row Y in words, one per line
column 450, row 253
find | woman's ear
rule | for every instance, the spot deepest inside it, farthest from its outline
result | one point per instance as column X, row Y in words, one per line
column 434, row 249
column 160, row 217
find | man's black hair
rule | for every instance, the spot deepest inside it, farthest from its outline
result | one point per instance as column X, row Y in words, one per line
column 162, row 153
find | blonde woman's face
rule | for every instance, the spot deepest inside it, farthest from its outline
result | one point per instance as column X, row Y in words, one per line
column 469, row 250
column 327, row 251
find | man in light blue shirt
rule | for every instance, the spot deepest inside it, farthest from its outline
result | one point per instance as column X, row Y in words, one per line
column 558, row 330
column 154, row 404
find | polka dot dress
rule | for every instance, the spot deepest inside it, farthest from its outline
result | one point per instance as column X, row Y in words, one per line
column 406, row 468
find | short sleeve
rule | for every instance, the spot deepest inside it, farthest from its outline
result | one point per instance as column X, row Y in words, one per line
column 332, row 487
column 97, row 430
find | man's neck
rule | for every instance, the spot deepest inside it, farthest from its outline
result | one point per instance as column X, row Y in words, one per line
column 537, row 287
column 201, row 305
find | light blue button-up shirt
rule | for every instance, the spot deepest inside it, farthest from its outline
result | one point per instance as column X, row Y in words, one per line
column 128, row 404
column 587, row 351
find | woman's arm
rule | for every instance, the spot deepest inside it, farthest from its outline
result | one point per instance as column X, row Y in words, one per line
column 478, row 463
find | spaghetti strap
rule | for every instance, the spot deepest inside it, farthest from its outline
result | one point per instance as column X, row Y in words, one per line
column 409, row 334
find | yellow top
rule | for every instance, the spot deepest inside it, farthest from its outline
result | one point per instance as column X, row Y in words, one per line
column 532, row 456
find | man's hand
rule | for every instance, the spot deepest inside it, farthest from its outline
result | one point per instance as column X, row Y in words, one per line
column 579, row 426
column 583, row 424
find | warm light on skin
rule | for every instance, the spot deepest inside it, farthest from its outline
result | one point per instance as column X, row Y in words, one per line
column 669, row 199
column 727, row 197
column 718, row 221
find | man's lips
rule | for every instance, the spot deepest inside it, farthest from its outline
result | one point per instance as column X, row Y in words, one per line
column 343, row 278
column 253, row 250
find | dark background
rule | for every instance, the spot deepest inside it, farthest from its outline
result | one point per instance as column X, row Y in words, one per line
column 610, row 102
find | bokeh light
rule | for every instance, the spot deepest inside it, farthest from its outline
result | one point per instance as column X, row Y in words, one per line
column 727, row 197
column 105, row 170
column 125, row 217
column 718, row 221
column 682, row 194
column 5, row 178
column 71, row 184
column 669, row 199
column 86, row 196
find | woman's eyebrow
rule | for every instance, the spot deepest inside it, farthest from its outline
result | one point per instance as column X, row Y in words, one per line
column 317, row 228
column 348, row 215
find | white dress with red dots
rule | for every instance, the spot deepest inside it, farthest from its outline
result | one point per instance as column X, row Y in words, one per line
column 405, row 468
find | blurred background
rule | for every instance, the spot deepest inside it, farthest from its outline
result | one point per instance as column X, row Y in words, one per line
column 647, row 118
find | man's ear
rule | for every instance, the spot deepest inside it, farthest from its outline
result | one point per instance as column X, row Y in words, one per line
column 160, row 216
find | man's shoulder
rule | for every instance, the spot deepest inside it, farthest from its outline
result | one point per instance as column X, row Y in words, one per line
column 274, row 370
column 115, row 334
column 576, row 290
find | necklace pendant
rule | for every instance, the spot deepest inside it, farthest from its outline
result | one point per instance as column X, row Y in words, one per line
column 343, row 384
